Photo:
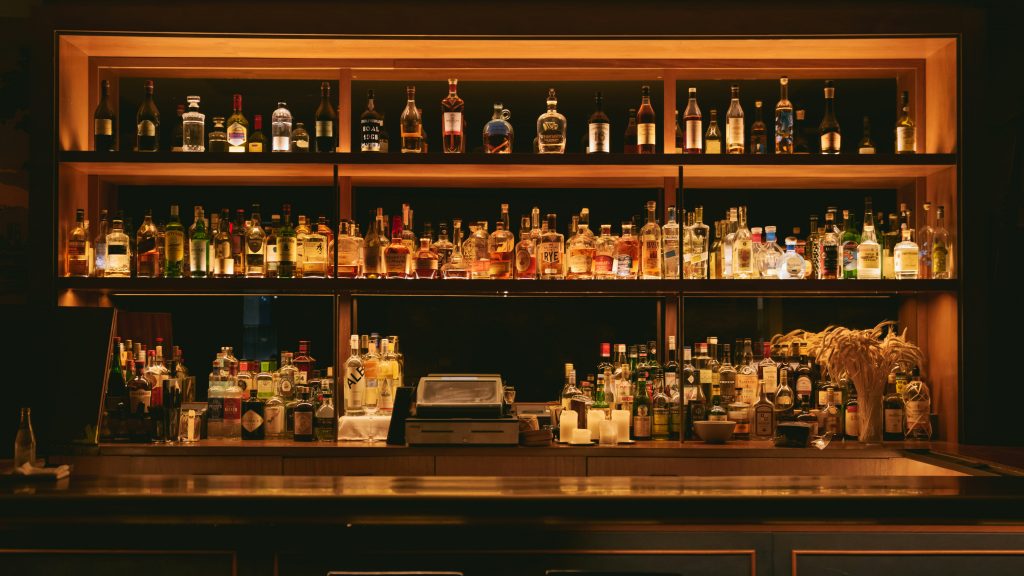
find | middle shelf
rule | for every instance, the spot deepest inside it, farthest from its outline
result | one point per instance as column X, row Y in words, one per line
column 503, row 288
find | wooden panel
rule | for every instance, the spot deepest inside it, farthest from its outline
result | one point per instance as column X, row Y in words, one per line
column 602, row 466
column 74, row 132
column 510, row 465
column 255, row 465
column 94, row 465
column 73, row 193
column 357, row 466
column 230, row 173
column 941, row 190
column 942, row 363
column 942, row 95
column 155, row 562
column 910, row 562
column 344, row 105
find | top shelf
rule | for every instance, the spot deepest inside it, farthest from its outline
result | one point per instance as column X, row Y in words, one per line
column 519, row 170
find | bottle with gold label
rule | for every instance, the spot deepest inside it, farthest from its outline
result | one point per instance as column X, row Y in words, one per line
column 828, row 130
column 650, row 246
column 906, row 135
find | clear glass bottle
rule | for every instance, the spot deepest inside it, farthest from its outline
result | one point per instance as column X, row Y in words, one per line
column 99, row 245
column 735, row 130
column 498, row 134
column 255, row 246
column 457, row 266
column 426, row 260
column 792, row 266
column 828, row 130
column 25, row 440
column 147, row 123
column 763, row 416
column 646, row 126
column 770, row 257
column 906, row 135
column 373, row 248
column 650, row 245
column 551, row 127
column 713, row 137
column 917, row 404
column 699, row 246
column 582, row 250
column 758, row 131
column 199, row 246
column 281, row 129
column 743, row 249
column 598, row 128
column 627, row 254
column 924, row 237
column 866, row 145
column 218, row 136
column 694, row 129
column 238, row 126
column 828, row 268
column 411, row 124
column 670, row 245
column 942, row 249
column 452, row 123
column 728, row 243
column 193, row 127
column 474, row 249
column 408, row 236
column 118, row 258
column 500, row 248
column 443, row 247
column 551, row 252
column 604, row 254
column 784, row 120
column 848, row 241
column 869, row 252
column 785, row 399
column 222, row 260
column 906, row 256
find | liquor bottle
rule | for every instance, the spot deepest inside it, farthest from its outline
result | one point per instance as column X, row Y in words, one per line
column 770, row 256
column 551, row 252
column 174, row 246
column 426, row 260
column 139, row 391
column 178, row 132
column 118, row 258
column 670, row 245
column 866, row 146
column 828, row 267
column 849, row 241
column 218, row 136
column 300, row 138
column 629, row 139
column 793, row 266
column 316, row 247
column 474, row 249
column 627, row 254
column 408, row 236
column 726, row 374
column 924, row 236
column 869, row 254
column 728, row 242
column 646, row 129
column 551, row 127
column 763, row 416
column 768, row 372
column 784, row 141
column 232, row 398
column 373, row 248
column 831, row 414
column 443, row 247
column 696, row 411
column 325, row 420
column 199, row 246
column 680, row 139
column 281, row 129
column 598, row 128
column 99, row 245
column 396, row 254
column 758, row 132
column 604, row 254
column 801, row 141
column 193, row 123
column 246, row 378
column 660, row 408
column 257, row 140
column 784, row 398
column 746, row 374
column 893, row 413
column 255, row 246
column 371, row 124
column 252, row 418
column 642, row 410
column 355, row 383
column 828, row 130
column 917, row 404
column 569, row 391
column 238, row 126
column 696, row 247
column 804, row 380
column 498, row 133
column 411, row 124
column 650, row 246
column 713, row 137
column 694, row 130
column 104, row 122
column 147, row 123
column 273, row 260
column 851, row 416
column 942, row 250
column 581, row 251
column 302, row 417
column 76, row 248
column 287, row 248
column 735, row 139
column 525, row 253
column 906, row 256
column 906, row 135
column 452, row 123
column 743, row 249
column 326, row 119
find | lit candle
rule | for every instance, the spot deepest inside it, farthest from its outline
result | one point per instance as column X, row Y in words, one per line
column 621, row 420
column 609, row 433
column 594, row 419
column 567, row 423
column 581, row 436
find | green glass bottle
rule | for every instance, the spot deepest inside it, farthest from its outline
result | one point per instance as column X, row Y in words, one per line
column 287, row 245
column 199, row 247
column 174, row 246
column 641, row 411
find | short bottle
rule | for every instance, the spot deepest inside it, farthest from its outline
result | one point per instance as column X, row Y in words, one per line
column 866, row 145
column 906, row 257
column 325, row 421
column 300, row 138
column 551, row 127
column 498, row 134
column 629, row 139
column 303, row 415
column 193, row 127
column 627, row 254
column 525, row 256
column 218, row 136
column 426, row 261
column 25, row 440
column 257, row 140
column 253, row 424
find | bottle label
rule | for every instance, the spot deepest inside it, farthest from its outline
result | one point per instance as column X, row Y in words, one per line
column 694, row 135
column 705, row 376
column 907, row 261
column 370, row 141
column 396, row 262
column 714, row 147
column 286, row 249
column 140, row 400
column 748, row 382
column 452, row 123
column 103, row 127
column 659, row 426
column 550, row 254
column 803, row 385
column 599, row 137
column 764, row 417
column 282, row 143
column 324, row 129
column 273, row 418
column 770, row 375
column 581, row 263
column 232, row 409
column 76, row 248
column 905, row 141
column 175, row 247
column 734, row 132
column 236, row 134
column 303, row 423
column 849, row 257
column 147, row 128
column 198, row 255
column 255, row 146
column 603, row 263
column 526, row 264
column 642, row 423
column 646, row 134
column 893, row 421
column 868, row 261
column 272, row 258
column 822, row 397
column 852, row 420
column 830, row 142
column 652, row 252
column 623, row 265
column 251, row 421
column 313, row 249
column 426, row 264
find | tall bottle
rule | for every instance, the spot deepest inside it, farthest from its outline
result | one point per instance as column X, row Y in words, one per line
column 551, row 127
column 735, row 139
column 452, row 123
column 326, row 121
column 199, row 246
column 104, row 122
column 281, row 129
column 670, row 248
column 942, row 250
column 758, row 132
column 629, row 139
column 598, row 128
column 119, row 252
column 783, row 120
column 174, row 247
column 650, row 246
column 355, row 382
column 396, row 255
column 713, row 137
column 694, row 129
column 222, row 258
column 869, row 252
column 551, row 252
column 287, row 245
column 147, row 123
column 100, row 245
column 25, row 441
column 76, row 247
column 906, row 135
column 373, row 248
column 500, row 248
column 646, row 127
column 256, row 246
column 828, row 130
column 743, row 249
column 829, row 261
column 848, row 242
column 642, row 410
column 371, row 125
column 411, row 124
column 238, row 126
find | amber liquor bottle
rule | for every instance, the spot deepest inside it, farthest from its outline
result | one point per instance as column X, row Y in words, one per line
column 452, row 121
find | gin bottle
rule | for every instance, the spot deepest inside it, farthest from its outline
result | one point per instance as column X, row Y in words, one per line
column 551, row 127
column 281, row 129
column 906, row 257
column 193, row 127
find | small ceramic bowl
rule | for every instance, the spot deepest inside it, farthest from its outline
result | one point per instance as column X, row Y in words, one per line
column 715, row 431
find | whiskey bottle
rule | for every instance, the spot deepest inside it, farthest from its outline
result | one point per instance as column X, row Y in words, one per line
column 942, row 251
column 604, row 254
column 680, row 134
column 713, row 137
column 315, row 253
column 76, row 248
column 828, row 130
column 893, row 413
column 411, row 124
column 174, row 250
column 646, row 128
column 147, row 123
column 104, row 122
column 642, row 411
column 906, row 136
column 498, row 133
column 694, row 129
column 396, row 254
column 598, row 128
column 627, row 254
column 650, row 246
column 199, row 246
column 629, row 139
column 525, row 253
column 255, row 246
column 452, row 123
column 326, row 135
column 551, row 252
column 869, row 253
column 866, row 146
column 551, row 127
column 735, row 139
column 238, row 126
column 783, row 120
column 257, row 140
column 851, row 416
column 581, row 251
column 768, row 372
column 287, row 245
column 119, row 254
column 373, row 248
column 281, row 129
column 758, row 132
column 252, row 418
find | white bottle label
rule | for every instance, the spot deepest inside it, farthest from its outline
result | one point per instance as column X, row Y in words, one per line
column 894, row 421
column 905, row 141
column 103, row 126
column 599, row 138
column 646, row 134
column 734, row 132
column 147, row 128
column 236, row 134
column 274, row 418
column 198, row 255
column 830, row 142
column 324, row 129
column 282, row 144
column 452, row 123
column 694, row 135
column 251, row 421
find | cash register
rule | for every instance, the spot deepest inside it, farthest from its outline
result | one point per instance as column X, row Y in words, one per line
column 461, row 409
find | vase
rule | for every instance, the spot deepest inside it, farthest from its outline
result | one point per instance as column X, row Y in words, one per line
column 869, row 408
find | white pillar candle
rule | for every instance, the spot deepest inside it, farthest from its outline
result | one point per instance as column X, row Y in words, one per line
column 594, row 419
column 567, row 423
column 581, row 436
column 621, row 420
column 609, row 432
